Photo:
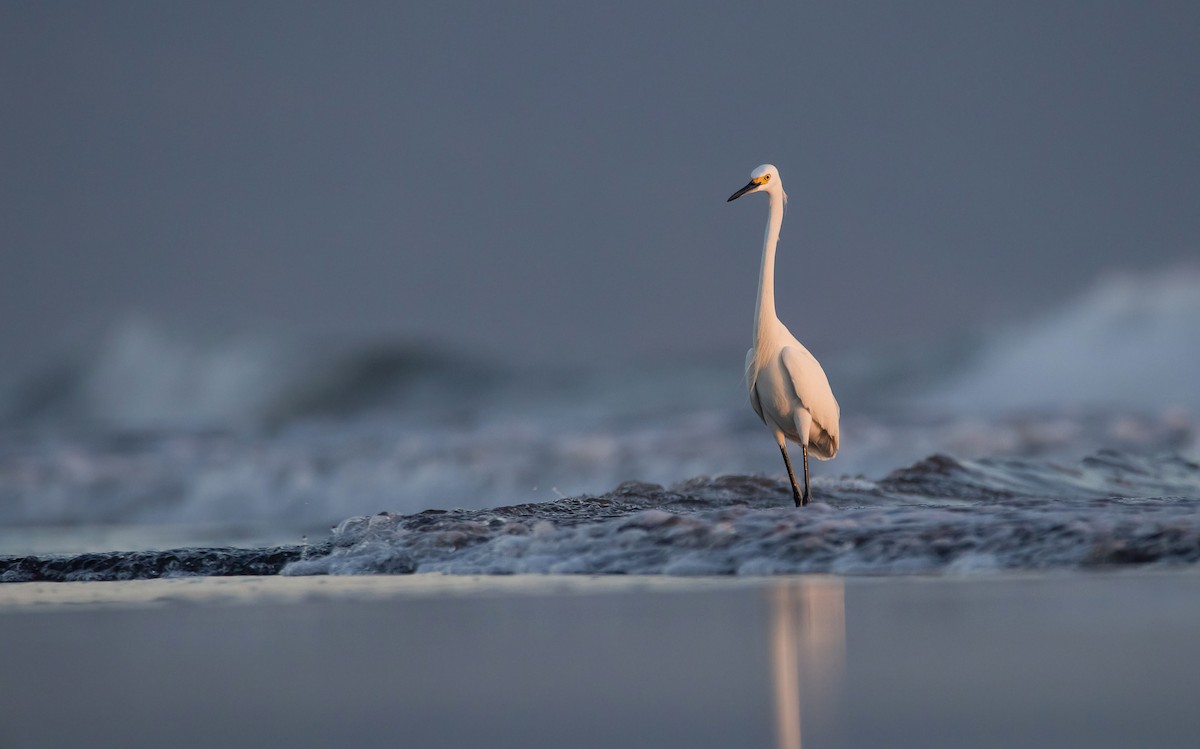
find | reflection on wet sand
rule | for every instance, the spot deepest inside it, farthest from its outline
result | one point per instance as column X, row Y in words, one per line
column 808, row 651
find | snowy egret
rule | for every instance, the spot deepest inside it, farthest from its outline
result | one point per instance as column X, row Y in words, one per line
column 788, row 388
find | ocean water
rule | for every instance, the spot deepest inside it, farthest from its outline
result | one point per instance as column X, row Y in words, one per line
column 1068, row 440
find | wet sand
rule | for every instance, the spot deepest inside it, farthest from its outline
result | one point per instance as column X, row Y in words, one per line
column 1097, row 660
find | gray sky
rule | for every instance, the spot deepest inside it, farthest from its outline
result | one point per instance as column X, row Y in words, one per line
column 544, row 180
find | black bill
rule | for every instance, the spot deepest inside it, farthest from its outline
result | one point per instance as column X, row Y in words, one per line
column 752, row 184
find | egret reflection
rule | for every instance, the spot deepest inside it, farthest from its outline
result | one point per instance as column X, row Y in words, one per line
column 808, row 652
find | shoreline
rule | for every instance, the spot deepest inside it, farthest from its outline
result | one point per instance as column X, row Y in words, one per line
column 281, row 589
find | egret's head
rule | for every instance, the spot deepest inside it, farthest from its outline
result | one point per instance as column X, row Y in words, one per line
column 764, row 178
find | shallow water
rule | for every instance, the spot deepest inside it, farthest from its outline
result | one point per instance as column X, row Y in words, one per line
column 1096, row 660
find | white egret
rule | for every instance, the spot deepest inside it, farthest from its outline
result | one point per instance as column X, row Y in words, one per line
column 788, row 389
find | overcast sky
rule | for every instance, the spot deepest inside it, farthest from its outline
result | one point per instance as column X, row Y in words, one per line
column 545, row 180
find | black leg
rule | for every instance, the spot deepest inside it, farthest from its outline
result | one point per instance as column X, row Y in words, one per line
column 792, row 477
column 807, row 494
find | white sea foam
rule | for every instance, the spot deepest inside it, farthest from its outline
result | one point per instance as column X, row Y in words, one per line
column 145, row 377
column 941, row 515
column 1130, row 342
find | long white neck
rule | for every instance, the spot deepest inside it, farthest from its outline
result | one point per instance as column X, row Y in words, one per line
column 765, row 314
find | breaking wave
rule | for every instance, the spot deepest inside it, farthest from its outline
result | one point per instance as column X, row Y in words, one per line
column 940, row 515
column 143, row 376
column 1130, row 342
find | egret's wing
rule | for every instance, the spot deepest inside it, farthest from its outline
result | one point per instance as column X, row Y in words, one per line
column 752, row 383
column 813, row 391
